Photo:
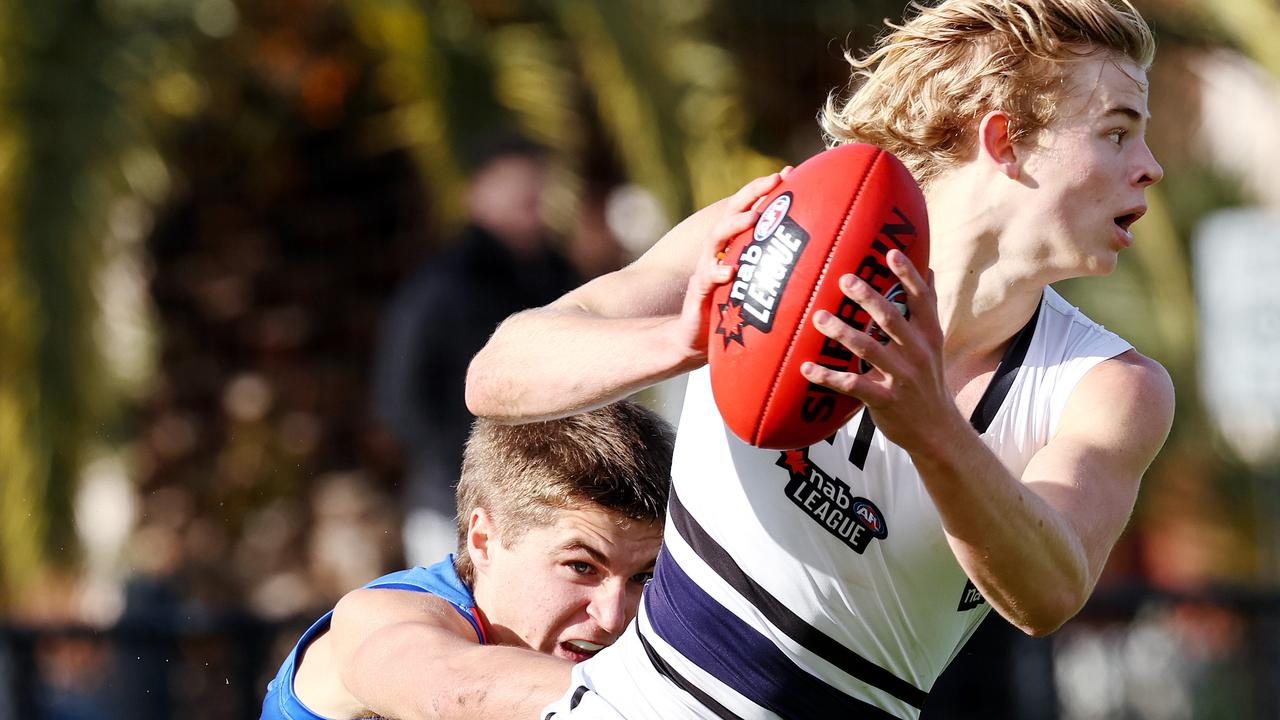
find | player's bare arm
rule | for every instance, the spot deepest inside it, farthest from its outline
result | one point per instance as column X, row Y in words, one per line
column 409, row 655
column 1034, row 546
column 1113, row 425
column 619, row 333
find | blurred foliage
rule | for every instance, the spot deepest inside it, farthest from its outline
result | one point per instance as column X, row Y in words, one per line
column 648, row 71
column 296, row 217
column 299, row 157
column 1253, row 24
column 74, row 76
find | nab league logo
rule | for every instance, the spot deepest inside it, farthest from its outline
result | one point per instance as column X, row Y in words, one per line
column 830, row 502
column 897, row 297
column 764, row 267
column 970, row 598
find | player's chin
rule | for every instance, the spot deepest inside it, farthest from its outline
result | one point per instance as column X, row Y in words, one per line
column 1102, row 262
column 577, row 650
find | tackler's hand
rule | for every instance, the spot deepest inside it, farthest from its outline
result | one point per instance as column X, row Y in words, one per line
column 741, row 210
column 906, row 388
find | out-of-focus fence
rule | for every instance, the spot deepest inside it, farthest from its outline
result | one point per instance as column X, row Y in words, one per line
column 215, row 668
column 1133, row 654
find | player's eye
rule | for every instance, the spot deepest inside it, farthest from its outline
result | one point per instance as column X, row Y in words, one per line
column 1117, row 135
column 580, row 567
column 642, row 578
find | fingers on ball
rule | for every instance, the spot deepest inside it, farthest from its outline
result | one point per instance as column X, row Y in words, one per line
column 750, row 193
column 884, row 313
column 858, row 342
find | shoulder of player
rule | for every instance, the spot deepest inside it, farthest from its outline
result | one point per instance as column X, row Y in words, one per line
column 1130, row 392
column 367, row 610
column 1135, row 371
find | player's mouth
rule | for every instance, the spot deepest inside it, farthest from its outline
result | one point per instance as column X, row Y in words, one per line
column 578, row 650
column 1125, row 221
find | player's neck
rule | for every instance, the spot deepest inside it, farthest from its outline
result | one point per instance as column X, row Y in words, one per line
column 987, row 289
column 494, row 633
column 981, row 312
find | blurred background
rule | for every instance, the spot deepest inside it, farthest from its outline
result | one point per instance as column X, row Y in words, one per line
column 233, row 234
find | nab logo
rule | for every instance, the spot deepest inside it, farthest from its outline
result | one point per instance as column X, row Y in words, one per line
column 970, row 598
column 830, row 502
column 764, row 268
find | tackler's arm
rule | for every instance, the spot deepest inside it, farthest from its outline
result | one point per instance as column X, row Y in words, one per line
column 409, row 655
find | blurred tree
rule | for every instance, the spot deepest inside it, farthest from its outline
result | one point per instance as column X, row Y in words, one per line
column 293, row 216
column 1254, row 25
column 21, row 453
column 72, row 74
column 669, row 98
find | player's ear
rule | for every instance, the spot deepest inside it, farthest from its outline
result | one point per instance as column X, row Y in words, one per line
column 995, row 145
column 480, row 538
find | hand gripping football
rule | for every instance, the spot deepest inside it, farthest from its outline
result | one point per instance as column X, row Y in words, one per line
column 839, row 212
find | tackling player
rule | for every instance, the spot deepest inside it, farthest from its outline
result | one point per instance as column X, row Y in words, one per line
column 559, row 525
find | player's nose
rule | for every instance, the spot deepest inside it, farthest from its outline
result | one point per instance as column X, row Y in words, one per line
column 1150, row 172
column 610, row 607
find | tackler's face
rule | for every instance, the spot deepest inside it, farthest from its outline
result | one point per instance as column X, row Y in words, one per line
column 569, row 588
column 1090, row 167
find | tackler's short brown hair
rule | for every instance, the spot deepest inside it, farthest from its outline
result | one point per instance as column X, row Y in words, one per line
column 616, row 458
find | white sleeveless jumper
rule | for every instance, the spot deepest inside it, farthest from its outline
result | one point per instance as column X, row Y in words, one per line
column 818, row 582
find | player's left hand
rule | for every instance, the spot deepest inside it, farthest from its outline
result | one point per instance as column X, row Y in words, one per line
column 739, row 213
column 906, row 389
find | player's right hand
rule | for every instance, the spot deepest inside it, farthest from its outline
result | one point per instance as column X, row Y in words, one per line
column 740, row 212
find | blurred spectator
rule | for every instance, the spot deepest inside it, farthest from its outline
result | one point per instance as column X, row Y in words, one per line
column 501, row 262
column 592, row 247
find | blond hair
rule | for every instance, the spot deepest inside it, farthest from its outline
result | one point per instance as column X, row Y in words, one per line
column 921, row 90
column 616, row 458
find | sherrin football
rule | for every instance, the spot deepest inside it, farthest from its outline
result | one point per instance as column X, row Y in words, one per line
column 839, row 212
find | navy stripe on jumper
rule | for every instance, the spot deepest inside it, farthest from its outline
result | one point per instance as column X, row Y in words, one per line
column 738, row 655
column 783, row 617
column 988, row 405
column 1002, row 380
column 664, row 669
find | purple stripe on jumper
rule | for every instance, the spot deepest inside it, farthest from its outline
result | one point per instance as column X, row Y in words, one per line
column 716, row 640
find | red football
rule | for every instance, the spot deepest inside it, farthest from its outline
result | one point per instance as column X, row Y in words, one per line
column 839, row 212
